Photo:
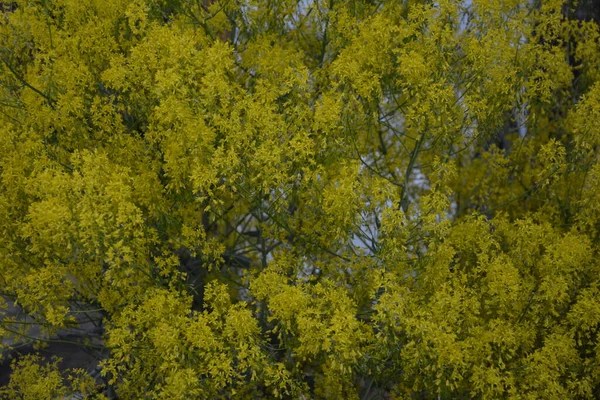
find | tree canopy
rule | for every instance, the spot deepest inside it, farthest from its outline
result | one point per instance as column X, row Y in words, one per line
column 300, row 199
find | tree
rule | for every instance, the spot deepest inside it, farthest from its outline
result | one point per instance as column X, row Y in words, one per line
column 300, row 199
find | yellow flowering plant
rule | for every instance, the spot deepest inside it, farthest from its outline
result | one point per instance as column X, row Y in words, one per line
column 300, row 199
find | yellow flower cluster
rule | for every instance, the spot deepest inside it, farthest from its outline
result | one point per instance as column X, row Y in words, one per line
column 301, row 199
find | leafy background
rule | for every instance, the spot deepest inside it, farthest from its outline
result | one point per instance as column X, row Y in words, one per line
column 300, row 199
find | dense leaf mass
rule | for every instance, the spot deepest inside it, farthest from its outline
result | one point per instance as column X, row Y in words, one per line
column 300, row 199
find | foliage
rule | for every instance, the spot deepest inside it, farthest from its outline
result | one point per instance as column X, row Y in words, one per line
column 33, row 381
column 302, row 199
